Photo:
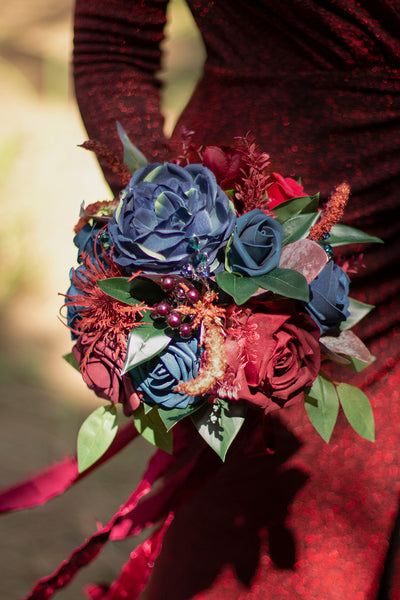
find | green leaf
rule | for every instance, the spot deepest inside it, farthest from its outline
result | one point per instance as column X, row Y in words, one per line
column 340, row 235
column 286, row 282
column 131, row 292
column 133, row 158
column 298, row 227
column 71, row 360
column 172, row 416
column 295, row 206
column 239, row 287
column 118, row 288
column 322, row 406
column 359, row 365
column 144, row 342
column 151, row 427
column 358, row 310
column 357, row 409
column 96, row 435
column 219, row 423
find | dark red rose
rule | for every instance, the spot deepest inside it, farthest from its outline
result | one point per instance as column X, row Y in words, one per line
column 101, row 371
column 225, row 163
column 283, row 189
column 274, row 354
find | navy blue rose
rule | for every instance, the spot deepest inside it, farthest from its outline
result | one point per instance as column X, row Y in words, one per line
column 256, row 244
column 169, row 216
column 329, row 301
column 158, row 378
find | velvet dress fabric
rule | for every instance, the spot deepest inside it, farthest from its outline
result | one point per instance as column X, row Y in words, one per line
column 318, row 85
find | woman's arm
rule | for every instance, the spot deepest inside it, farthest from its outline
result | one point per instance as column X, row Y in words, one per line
column 116, row 58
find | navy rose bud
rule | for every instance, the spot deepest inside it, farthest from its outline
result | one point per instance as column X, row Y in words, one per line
column 329, row 301
column 256, row 244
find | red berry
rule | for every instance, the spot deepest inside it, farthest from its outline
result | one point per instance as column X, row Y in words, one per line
column 174, row 320
column 185, row 330
column 180, row 293
column 193, row 295
column 167, row 283
column 162, row 309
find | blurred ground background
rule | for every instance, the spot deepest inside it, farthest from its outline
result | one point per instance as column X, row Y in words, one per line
column 44, row 178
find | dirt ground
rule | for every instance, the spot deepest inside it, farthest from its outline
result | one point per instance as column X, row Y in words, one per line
column 44, row 178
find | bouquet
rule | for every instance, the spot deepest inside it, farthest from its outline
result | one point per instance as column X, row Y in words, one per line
column 209, row 289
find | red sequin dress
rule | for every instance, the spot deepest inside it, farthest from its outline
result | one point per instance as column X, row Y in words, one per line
column 318, row 85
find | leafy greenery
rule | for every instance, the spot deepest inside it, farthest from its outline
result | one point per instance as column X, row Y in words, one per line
column 286, row 282
column 131, row 291
column 172, row 416
column 357, row 409
column 71, row 360
column 133, row 158
column 298, row 227
column 152, row 428
column 358, row 310
column 96, row 435
column 219, row 423
column 238, row 286
column 341, row 235
column 322, row 406
column 296, row 206
column 144, row 342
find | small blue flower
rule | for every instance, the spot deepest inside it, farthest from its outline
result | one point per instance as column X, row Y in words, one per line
column 164, row 208
column 256, row 244
column 329, row 301
column 158, row 378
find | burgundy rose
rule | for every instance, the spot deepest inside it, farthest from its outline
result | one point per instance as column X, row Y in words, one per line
column 225, row 163
column 283, row 189
column 274, row 354
column 101, row 367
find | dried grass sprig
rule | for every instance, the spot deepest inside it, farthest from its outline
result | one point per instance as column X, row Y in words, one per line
column 332, row 213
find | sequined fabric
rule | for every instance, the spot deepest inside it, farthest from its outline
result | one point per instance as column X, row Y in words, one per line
column 318, row 85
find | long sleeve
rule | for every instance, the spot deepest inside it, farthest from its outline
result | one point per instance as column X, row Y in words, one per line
column 116, row 58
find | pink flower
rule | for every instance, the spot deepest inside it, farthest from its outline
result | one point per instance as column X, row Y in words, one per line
column 278, row 360
column 283, row 189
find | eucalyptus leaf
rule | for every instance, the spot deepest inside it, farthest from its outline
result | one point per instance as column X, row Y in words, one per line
column 322, row 406
column 144, row 342
column 172, row 416
column 133, row 158
column 219, row 423
column 347, row 344
column 151, row 427
column 295, row 206
column 358, row 310
column 286, row 282
column 305, row 256
column 96, row 436
column 298, row 227
column 239, row 287
column 71, row 360
column 357, row 409
column 341, row 235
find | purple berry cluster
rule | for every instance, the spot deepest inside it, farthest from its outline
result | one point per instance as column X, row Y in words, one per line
column 177, row 295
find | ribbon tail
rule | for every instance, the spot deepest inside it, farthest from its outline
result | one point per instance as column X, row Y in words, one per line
column 135, row 573
column 56, row 479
